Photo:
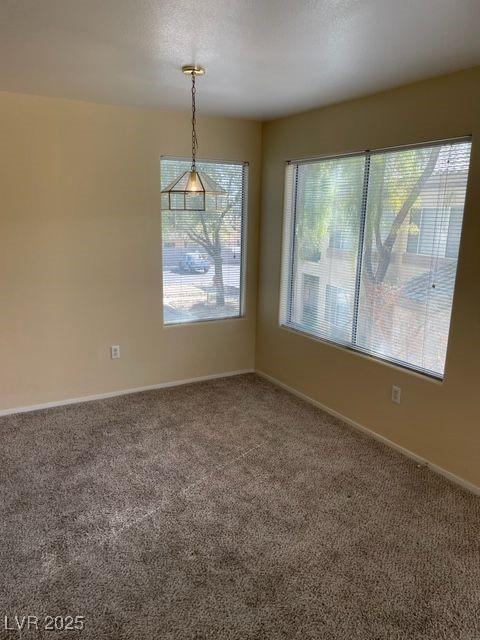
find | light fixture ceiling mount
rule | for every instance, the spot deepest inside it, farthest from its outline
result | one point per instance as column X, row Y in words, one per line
column 193, row 69
column 191, row 190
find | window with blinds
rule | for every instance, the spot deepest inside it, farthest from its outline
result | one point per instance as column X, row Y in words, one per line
column 370, row 250
column 203, row 251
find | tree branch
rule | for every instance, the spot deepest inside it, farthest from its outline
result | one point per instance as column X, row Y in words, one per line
column 367, row 256
column 378, row 236
column 201, row 241
column 387, row 247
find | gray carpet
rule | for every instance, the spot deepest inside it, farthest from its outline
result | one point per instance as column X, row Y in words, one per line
column 228, row 509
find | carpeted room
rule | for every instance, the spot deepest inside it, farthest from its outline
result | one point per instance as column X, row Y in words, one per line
column 236, row 469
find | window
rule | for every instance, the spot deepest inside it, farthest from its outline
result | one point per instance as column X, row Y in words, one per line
column 203, row 252
column 310, row 298
column 454, row 232
column 383, row 209
column 430, row 236
column 337, row 305
column 340, row 240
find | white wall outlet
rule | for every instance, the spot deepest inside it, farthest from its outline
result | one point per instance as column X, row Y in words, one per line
column 115, row 351
column 396, row 394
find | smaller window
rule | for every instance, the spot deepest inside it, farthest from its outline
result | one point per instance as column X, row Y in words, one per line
column 337, row 312
column 310, row 298
column 341, row 239
column 454, row 232
column 203, row 251
column 434, row 232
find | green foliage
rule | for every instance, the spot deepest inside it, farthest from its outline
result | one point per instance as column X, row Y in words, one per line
column 329, row 199
column 330, row 195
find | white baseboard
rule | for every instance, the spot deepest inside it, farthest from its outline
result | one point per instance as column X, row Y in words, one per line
column 123, row 392
column 406, row 452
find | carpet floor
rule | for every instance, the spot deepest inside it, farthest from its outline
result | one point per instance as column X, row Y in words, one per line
column 228, row 509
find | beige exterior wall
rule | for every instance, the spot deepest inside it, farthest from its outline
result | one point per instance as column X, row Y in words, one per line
column 80, row 250
column 438, row 421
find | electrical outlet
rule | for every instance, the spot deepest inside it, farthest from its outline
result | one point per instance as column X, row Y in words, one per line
column 115, row 351
column 396, row 394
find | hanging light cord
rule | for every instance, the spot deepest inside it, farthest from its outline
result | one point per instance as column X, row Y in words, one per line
column 194, row 122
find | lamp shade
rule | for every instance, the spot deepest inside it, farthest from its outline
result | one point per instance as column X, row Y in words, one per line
column 192, row 191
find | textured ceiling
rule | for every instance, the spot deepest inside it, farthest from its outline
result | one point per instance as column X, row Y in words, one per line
column 264, row 58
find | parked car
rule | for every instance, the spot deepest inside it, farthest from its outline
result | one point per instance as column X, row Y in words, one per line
column 193, row 262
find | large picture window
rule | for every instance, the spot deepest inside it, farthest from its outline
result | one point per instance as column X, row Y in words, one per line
column 203, row 251
column 378, row 233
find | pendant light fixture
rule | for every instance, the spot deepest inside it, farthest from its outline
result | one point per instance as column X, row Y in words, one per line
column 194, row 190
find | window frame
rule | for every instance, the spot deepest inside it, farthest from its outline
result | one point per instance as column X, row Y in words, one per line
column 243, row 242
column 287, row 253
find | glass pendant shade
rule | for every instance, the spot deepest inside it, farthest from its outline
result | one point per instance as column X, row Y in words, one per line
column 192, row 191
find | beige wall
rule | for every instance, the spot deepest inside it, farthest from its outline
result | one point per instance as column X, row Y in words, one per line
column 438, row 421
column 80, row 250
column 80, row 261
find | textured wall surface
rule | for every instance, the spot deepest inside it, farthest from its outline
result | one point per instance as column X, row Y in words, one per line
column 80, row 250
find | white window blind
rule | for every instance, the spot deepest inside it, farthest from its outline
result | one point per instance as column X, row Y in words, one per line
column 324, row 211
column 203, row 251
column 370, row 250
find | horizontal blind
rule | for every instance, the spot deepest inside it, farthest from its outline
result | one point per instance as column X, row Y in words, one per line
column 412, row 235
column 322, row 228
column 370, row 250
column 203, row 251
